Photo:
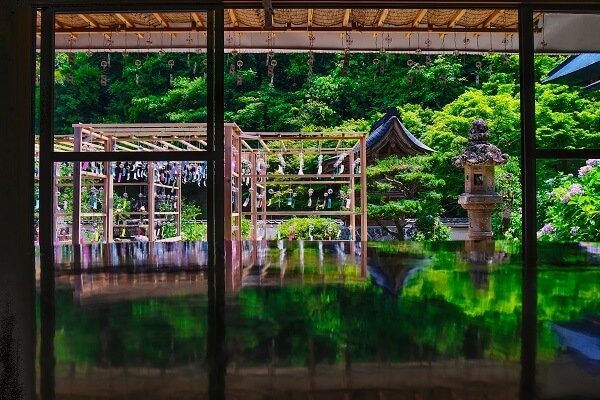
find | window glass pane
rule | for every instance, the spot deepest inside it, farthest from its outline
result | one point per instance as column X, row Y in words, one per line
column 567, row 57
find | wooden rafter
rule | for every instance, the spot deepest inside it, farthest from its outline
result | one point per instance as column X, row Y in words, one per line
column 233, row 17
column 458, row 15
column 161, row 20
column 419, row 18
column 197, row 20
column 346, row 17
column 124, row 19
column 492, row 18
column 382, row 17
column 89, row 20
column 309, row 20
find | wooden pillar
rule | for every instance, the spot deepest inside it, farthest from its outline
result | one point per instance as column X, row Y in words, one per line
column 238, row 200
column 179, row 192
column 352, row 197
column 17, row 269
column 363, row 189
column 254, row 188
column 55, row 191
column 227, row 206
column 108, row 194
column 76, row 216
column 151, row 198
column 264, row 203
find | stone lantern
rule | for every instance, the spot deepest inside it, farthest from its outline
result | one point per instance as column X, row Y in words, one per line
column 479, row 158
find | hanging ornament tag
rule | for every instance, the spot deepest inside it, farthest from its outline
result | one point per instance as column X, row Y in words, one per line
column 170, row 79
column 477, row 79
column 71, row 58
column 103, row 80
column 239, row 79
column 231, row 69
column 69, row 78
column 410, row 78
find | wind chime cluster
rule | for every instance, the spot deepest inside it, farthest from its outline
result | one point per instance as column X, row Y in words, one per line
column 324, row 197
column 105, row 63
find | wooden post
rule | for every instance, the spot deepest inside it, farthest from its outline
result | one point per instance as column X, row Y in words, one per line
column 352, row 197
column 108, row 194
column 55, row 191
column 238, row 194
column 363, row 190
column 151, row 204
column 179, row 192
column 227, row 206
column 253, row 195
column 76, row 216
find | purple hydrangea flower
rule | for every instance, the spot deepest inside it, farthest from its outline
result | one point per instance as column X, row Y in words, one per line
column 565, row 199
column 548, row 228
column 574, row 231
column 575, row 189
column 584, row 170
column 592, row 161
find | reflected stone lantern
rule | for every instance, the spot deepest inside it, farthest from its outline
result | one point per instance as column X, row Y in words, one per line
column 479, row 158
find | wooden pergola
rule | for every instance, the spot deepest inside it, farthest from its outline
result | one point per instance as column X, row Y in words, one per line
column 254, row 147
column 240, row 148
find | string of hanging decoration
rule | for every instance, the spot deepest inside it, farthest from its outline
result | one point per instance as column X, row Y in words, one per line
column 250, row 31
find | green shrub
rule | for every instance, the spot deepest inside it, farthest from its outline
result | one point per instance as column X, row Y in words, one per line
column 309, row 229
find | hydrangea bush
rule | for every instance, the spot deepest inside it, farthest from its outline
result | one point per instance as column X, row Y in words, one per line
column 572, row 206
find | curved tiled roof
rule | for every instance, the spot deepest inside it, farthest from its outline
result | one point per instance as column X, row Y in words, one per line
column 391, row 121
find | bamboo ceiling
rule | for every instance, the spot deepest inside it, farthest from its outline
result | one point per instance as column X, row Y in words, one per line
column 289, row 29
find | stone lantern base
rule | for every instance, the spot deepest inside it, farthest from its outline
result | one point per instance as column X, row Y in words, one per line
column 479, row 207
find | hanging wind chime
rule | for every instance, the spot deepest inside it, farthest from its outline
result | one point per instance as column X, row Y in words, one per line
column 346, row 62
column 409, row 63
column 271, row 61
column 311, row 56
column 171, row 62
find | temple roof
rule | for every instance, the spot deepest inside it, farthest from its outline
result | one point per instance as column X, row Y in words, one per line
column 581, row 69
column 389, row 136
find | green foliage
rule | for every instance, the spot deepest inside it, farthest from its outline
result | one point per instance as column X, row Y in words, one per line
column 415, row 196
column 437, row 114
column 311, row 228
column 507, row 218
column 572, row 206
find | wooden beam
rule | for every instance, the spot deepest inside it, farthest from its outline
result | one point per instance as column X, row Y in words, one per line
column 493, row 17
column 309, row 20
column 382, row 17
column 419, row 17
column 346, row 17
column 161, row 20
column 127, row 21
column 234, row 19
column 197, row 20
column 458, row 15
column 536, row 16
column 89, row 20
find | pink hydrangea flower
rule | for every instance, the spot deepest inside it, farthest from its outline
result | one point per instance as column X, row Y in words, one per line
column 584, row 170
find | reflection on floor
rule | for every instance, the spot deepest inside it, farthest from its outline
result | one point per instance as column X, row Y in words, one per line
column 320, row 320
